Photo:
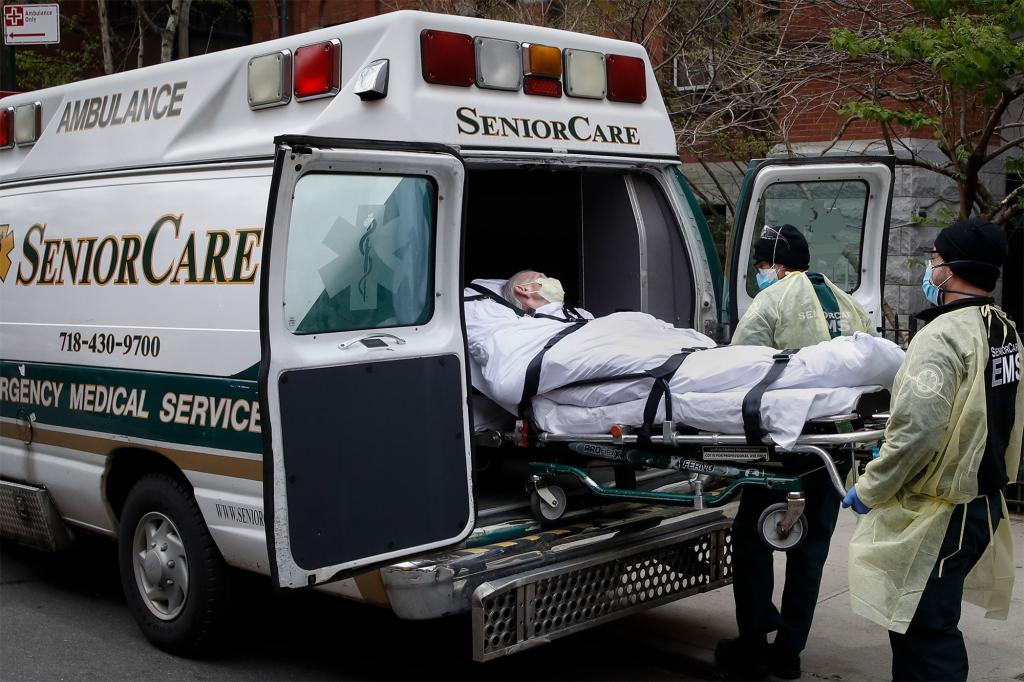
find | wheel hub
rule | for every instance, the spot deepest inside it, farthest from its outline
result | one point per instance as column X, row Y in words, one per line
column 161, row 565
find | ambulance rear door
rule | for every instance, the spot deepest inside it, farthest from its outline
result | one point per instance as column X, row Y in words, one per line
column 840, row 204
column 363, row 383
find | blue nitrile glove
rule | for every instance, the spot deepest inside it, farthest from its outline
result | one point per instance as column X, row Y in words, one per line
column 851, row 500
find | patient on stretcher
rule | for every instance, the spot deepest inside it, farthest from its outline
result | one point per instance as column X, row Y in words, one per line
column 530, row 352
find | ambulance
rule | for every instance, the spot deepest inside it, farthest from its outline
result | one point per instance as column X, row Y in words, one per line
column 231, row 316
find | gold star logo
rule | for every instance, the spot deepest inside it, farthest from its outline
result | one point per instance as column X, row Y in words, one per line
column 6, row 246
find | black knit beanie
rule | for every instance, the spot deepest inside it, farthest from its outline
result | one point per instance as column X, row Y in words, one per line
column 782, row 245
column 975, row 250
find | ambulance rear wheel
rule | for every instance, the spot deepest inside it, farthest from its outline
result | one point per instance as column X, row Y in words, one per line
column 768, row 529
column 542, row 510
column 173, row 576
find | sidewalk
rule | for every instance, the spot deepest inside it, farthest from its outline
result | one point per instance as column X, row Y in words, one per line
column 842, row 646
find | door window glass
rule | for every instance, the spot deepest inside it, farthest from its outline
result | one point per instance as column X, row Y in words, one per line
column 830, row 214
column 360, row 253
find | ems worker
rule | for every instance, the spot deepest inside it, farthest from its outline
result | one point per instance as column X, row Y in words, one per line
column 936, row 516
column 795, row 308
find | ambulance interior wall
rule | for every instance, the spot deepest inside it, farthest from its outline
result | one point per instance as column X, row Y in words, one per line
column 581, row 227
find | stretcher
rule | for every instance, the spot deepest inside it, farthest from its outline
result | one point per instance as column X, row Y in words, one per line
column 719, row 465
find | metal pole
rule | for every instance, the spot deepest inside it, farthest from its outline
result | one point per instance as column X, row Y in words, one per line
column 8, row 68
column 283, row 17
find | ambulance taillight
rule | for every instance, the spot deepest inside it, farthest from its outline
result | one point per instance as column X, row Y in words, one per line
column 448, row 58
column 6, row 127
column 28, row 119
column 627, row 81
column 318, row 70
column 270, row 80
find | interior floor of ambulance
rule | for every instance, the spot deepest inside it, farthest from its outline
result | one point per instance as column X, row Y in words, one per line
column 591, row 229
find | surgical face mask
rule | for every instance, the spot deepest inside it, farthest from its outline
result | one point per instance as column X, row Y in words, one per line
column 766, row 277
column 932, row 292
column 550, row 289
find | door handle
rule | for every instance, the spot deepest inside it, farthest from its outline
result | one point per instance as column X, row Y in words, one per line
column 376, row 341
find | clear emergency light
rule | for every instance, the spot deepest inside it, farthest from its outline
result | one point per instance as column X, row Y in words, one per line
column 585, row 74
column 6, row 127
column 28, row 120
column 270, row 80
column 498, row 64
column 318, row 70
column 448, row 58
column 627, row 79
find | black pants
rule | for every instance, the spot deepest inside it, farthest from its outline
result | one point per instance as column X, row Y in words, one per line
column 933, row 646
column 753, row 577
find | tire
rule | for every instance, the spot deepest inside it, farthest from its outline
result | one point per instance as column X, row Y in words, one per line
column 189, row 619
column 769, row 534
column 545, row 514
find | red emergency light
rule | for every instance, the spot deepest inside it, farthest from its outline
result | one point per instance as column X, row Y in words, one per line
column 318, row 70
column 547, row 87
column 627, row 79
column 448, row 58
column 6, row 127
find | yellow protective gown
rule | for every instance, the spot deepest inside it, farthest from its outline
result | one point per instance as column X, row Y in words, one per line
column 929, row 462
column 788, row 315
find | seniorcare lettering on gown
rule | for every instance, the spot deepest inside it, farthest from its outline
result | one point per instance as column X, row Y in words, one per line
column 788, row 314
column 708, row 387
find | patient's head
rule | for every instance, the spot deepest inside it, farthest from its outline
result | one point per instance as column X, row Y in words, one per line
column 530, row 290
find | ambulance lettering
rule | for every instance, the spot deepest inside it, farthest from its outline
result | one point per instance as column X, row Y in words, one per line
column 211, row 257
column 577, row 128
column 105, row 111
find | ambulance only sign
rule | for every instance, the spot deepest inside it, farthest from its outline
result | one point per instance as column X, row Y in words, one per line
column 31, row 24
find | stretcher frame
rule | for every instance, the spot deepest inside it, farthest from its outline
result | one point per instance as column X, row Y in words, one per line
column 729, row 457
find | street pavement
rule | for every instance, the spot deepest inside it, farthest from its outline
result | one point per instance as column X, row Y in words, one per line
column 62, row 617
column 842, row 646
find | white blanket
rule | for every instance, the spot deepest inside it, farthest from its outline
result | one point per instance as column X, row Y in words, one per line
column 707, row 389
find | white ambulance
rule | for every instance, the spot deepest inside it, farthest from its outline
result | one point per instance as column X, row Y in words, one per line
column 231, row 325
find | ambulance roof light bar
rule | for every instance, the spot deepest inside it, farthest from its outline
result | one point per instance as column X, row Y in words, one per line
column 270, row 80
column 318, row 70
column 28, row 119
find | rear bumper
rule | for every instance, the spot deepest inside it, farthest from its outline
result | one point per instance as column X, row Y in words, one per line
column 527, row 592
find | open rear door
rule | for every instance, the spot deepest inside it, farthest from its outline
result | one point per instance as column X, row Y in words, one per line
column 363, row 381
column 842, row 206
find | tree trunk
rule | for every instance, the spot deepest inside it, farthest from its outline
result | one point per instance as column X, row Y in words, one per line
column 104, row 16
column 169, row 31
column 142, row 45
column 184, row 49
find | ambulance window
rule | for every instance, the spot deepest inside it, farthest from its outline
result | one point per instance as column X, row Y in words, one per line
column 830, row 214
column 360, row 253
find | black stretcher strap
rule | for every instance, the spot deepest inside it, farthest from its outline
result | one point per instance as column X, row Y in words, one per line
column 484, row 292
column 660, row 390
column 532, row 382
column 752, row 428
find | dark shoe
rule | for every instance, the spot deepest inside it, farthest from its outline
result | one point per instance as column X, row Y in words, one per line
column 738, row 658
column 784, row 664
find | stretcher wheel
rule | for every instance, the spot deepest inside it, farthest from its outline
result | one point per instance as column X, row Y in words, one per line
column 544, row 512
column 768, row 528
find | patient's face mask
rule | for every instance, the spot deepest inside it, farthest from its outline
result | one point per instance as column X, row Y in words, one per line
column 766, row 277
column 550, row 289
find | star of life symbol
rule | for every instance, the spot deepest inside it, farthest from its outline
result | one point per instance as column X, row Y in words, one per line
column 6, row 246
column 382, row 256
column 14, row 17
